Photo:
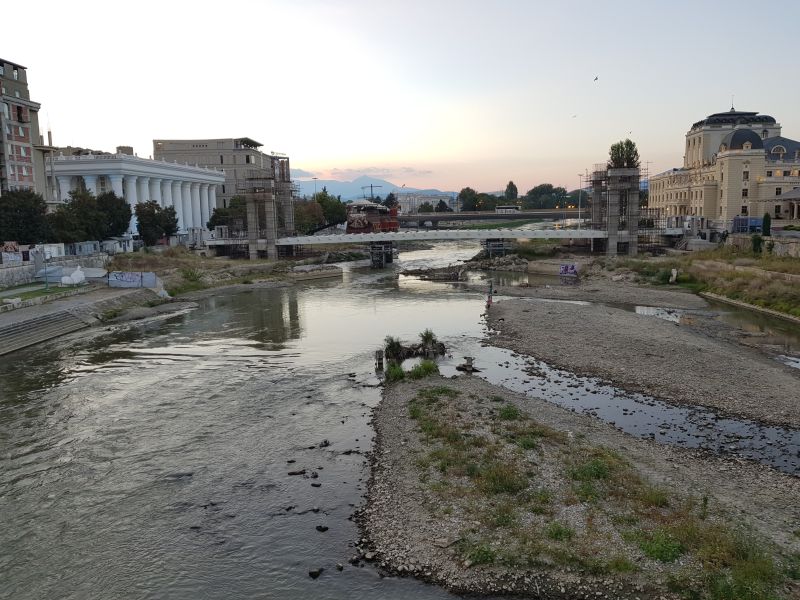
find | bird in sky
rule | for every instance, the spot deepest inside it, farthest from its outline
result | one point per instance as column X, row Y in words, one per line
column 596, row 77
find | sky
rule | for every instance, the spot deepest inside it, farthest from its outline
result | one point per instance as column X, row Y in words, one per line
column 425, row 93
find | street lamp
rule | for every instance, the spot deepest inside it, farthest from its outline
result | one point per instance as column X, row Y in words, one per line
column 315, row 186
column 580, row 194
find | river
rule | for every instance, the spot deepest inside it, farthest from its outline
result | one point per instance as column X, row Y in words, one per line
column 153, row 462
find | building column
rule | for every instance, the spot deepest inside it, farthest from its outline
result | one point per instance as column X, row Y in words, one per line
column 155, row 190
column 91, row 184
column 144, row 189
column 132, row 198
column 186, row 192
column 196, row 214
column 166, row 192
column 212, row 198
column 116, row 185
column 64, row 187
column 177, row 202
column 204, row 212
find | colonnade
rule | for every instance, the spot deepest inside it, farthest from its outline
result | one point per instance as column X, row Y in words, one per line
column 194, row 201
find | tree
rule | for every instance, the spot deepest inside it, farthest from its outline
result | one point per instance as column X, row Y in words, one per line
column 169, row 221
column 545, row 195
column 511, row 191
column 442, row 207
column 766, row 225
column 22, row 217
column 234, row 216
column 425, row 207
column 623, row 155
column 117, row 213
column 154, row 222
column 78, row 220
column 468, row 199
column 391, row 200
column 335, row 212
column 308, row 215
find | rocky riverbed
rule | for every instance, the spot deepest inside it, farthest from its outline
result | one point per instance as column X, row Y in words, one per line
column 677, row 362
column 484, row 491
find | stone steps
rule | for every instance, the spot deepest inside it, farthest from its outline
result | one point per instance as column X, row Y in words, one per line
column 33, row 331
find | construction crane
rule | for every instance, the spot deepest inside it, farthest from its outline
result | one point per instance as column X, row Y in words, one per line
column 371, row 191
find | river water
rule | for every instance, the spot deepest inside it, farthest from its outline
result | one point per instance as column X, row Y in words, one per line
column 153, row 462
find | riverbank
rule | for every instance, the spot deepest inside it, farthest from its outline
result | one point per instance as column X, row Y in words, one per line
column 484, row 491
column 681, row 362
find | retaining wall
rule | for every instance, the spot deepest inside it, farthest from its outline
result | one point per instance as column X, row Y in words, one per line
column 783, row 246
column 20, row 275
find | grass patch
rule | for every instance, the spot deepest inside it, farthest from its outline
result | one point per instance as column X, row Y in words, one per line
column 660, row 545
column 559, row 532
column 425, row 368
column 478, row 553
column 501, row 478
column 509, row 412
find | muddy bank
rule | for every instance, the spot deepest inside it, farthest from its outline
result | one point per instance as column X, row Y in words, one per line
column 606, row 291
column 675, row 362
column 425, row 517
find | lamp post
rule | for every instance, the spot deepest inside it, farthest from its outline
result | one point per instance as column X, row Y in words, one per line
column 315, row 186
column 580, row 195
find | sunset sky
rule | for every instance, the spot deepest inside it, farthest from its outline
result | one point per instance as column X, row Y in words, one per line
column 440, row 94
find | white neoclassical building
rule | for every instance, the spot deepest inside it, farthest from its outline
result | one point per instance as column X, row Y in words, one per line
column 190, row 189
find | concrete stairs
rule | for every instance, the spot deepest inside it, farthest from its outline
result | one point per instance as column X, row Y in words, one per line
column 39, row 329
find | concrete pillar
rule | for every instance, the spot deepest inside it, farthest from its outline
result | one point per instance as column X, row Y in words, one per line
column 144, row 189
column 177, row 202
column 132, row 198
column 204, row 212
column 116, row 185
column 155, row 190
column 64, row 187
column 212, row 198
column 91, row 184
column 166, row 192
column 186, row 192
column 197, row 216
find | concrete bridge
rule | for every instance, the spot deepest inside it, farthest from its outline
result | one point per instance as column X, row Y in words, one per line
column 455, row 234
column 537, row 213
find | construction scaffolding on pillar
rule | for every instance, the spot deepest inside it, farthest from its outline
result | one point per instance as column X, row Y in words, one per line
column 380, row 254
column 615, row 208
column 652, row 222
column 258, row 190
column 497, row 247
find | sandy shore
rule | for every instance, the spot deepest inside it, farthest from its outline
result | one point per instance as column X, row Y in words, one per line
column 411, row 526
column 691, row 363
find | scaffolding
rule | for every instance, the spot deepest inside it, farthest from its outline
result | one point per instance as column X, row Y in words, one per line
column 615, row 208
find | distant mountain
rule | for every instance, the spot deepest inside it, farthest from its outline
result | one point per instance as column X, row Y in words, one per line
column 358, row 188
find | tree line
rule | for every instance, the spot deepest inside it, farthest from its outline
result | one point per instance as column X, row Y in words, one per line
column 24, row 218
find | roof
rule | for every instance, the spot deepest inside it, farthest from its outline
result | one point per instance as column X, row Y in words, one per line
column 793, row 194
column 246, row 141
column 13, row 64
column 735, row 117
column 791, row 146
column 736, row 139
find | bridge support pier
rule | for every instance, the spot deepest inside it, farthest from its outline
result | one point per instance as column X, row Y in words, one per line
column 380, row 254
column 497, row 247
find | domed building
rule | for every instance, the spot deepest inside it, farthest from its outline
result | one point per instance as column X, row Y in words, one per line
column 736, row 163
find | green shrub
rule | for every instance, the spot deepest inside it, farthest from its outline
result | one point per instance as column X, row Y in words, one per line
column 500, row 478
column 660, row 545
column 557, row 531
column 423, row 369
column 392, row 348
column 191, row 274
column 428, row 338
column 757, row 242
column 394, row 372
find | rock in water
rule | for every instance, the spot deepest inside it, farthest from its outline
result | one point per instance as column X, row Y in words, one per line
column 314, row 573
column 322, row 528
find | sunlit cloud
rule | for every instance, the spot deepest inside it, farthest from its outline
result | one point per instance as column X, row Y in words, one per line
column 301, row 174
column 377, row 172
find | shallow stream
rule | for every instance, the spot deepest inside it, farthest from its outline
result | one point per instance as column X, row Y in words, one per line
column 153, row 462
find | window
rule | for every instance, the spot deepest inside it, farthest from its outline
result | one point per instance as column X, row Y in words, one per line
column 248, row 159
column 745, row 193
column 221, row 159
column 2, row 70
column 746, row 175
column 21, row 131
column 223, row 188
column 744, row 210
column 5, row 111
column 19, row 114
column 16, row 93
column 23, row 152
column 777, row 210
column 15, row 73
column 722, row 176
column 769, row 173
column 747, row 146
column 764, row 134
column 779, row 150
column 778, row 191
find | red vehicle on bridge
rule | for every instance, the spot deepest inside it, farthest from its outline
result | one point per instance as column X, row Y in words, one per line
column 364, row 216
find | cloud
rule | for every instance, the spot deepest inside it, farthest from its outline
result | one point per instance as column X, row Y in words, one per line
column 301, row 173
column 378, row 172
